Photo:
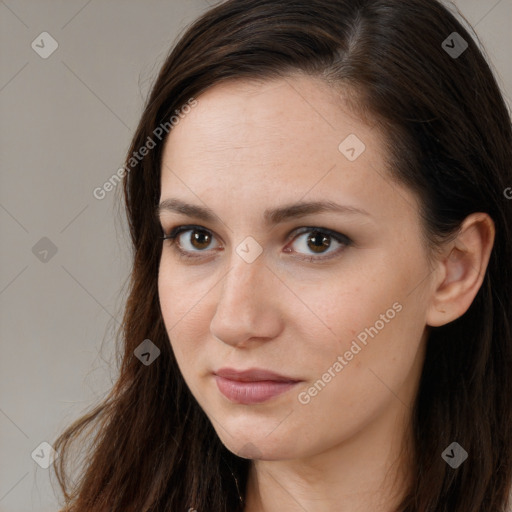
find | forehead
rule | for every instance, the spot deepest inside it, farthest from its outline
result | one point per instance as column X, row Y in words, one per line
column 271, row 142
column 257, row 117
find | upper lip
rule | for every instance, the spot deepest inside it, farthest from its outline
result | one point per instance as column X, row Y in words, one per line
column 252, row 375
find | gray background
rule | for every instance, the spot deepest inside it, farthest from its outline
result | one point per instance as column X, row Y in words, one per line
column 66, row 123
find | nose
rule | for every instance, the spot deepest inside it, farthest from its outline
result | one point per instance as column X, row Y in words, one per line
column 248, row 309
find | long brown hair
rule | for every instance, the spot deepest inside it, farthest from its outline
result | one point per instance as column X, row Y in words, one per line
column 150, row 446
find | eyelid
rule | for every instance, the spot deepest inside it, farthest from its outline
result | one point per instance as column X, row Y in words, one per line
column 176, row 231
column 340, row 237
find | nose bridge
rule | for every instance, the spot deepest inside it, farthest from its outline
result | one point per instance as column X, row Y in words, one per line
column 245, row 283
column 245, row 307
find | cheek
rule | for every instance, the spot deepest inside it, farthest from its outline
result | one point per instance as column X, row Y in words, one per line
column 182, row 304
column 353, row 382
column 181, row 289
column 371, row 320
column 342, row 307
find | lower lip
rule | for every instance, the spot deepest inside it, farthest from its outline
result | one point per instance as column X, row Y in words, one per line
column 251, row 392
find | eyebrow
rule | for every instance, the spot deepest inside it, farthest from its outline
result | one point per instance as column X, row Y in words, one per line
column 272, row 216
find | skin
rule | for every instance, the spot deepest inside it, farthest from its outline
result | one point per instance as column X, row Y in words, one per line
column 248, row 146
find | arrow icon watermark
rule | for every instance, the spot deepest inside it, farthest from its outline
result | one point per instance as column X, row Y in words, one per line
column 454, row 455
column 454, row 45
column 249, row 249
column 146, row 352
column 44, row 250
column 352, row 147
column 44, row 45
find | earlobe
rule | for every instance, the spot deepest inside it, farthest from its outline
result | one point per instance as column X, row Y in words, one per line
column 462, row 270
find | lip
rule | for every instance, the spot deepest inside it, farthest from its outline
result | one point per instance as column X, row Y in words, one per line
column 252, row 386
column 252, row 375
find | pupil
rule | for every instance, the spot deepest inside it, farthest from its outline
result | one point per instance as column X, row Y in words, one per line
column 322, row 241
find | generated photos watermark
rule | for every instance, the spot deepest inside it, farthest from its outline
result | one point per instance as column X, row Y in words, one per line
column 342, row 361
column 137, row 156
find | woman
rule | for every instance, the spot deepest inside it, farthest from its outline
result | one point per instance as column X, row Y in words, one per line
column 320, row 303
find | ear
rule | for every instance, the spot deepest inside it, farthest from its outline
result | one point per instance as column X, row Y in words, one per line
column 461, row 269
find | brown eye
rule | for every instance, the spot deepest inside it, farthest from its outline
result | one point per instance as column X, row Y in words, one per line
column 317, row 242
column 312, row 241
column 199, row 239
column 191, row 239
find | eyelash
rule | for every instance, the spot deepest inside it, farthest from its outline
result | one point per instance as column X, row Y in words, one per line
column 338, row 237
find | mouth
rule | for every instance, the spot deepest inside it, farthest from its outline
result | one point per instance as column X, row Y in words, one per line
column 252, row 386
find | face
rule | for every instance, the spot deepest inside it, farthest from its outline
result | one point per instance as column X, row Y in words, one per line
column 332, row 302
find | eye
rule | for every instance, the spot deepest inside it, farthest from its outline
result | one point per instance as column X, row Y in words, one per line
column 198, row 240
column 318, row 241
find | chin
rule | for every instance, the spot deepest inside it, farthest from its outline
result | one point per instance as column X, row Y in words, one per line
column 256, row 447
